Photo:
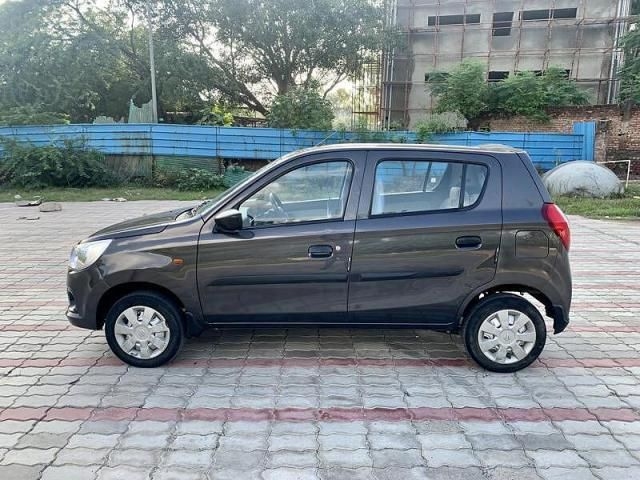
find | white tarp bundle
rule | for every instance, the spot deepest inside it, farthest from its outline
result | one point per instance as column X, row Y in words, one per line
column 584, row 179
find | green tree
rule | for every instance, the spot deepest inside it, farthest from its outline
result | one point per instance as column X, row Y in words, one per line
column 257, row 48
column 301, row 108
column 630, row 72
column 74, row 58
column 462, row 90
column 31, row 115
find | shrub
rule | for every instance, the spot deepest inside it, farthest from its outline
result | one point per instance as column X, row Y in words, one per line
column 301, row 108
column 69, row 165
column 464, row 89
column 234, row 174
column 216, row 115
column 439, row 123
column 198, row 179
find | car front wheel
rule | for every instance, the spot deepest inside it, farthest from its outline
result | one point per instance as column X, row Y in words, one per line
column 504, row 333
column 144, row 329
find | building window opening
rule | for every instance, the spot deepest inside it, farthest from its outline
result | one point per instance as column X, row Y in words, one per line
column 502, row 22
column 496, row 76
column 564, row 13
column 453, row 20
column 556, row 13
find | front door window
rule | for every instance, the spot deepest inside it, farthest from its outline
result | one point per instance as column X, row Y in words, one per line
column 310, row 193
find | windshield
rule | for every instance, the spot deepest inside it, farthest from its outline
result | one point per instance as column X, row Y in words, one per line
column 213, row 202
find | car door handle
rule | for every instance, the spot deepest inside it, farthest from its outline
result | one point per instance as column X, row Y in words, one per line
column 468, row 243
column 320, row 251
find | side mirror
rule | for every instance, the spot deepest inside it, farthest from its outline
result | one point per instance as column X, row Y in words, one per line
column 229, row 221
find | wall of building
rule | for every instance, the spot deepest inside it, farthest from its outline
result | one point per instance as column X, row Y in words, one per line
column 617, row 133
column 582, row 45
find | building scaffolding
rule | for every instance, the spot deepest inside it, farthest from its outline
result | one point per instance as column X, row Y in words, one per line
column 365, row 98
column 581, row 36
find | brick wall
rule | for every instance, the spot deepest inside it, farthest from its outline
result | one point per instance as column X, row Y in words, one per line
column 617, row 132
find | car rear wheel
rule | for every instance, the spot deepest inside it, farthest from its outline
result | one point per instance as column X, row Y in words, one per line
column 144, row 329
column 504, row 333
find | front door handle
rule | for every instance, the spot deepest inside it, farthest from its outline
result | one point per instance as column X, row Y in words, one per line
column 320, row 251
column 468, row 243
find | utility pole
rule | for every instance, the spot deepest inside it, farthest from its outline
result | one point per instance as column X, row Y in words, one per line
column 152, row 63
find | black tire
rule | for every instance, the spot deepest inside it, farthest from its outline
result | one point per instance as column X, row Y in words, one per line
column 489, row 306
column 162, row 305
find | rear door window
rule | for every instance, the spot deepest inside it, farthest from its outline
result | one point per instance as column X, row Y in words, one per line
column 410, row 186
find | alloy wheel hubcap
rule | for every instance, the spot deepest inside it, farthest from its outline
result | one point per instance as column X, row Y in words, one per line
column 507, row 336
column 142, row 332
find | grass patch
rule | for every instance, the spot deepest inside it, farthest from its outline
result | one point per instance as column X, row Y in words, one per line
column 627, row 206
column 95, row 194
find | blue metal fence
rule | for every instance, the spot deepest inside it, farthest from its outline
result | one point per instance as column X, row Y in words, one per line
column 546, row 149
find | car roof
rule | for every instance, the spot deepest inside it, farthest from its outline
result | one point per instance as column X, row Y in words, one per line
column 486, row 148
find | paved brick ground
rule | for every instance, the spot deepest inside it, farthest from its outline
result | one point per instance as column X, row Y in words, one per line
column 303, row 403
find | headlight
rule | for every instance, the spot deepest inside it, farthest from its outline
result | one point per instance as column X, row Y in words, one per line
column 84, row 255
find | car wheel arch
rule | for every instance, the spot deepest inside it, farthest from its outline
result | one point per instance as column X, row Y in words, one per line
column 115, row 293
column 474, row 299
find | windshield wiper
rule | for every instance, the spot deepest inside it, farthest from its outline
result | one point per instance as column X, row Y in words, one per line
column 195, row 209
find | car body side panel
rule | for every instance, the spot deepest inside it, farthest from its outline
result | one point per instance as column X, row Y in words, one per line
column 166, row 259
column 523, row 202
column 403, row 270
column 407, row 268
column 265, row 274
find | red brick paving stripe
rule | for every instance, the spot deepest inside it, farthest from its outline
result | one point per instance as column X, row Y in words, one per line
column 22, row 413
column 316, row 362
column 68, row 413
column 114, row 414
column 327, row 414
column 523, row 414
column 576, row 414
column 610, row 414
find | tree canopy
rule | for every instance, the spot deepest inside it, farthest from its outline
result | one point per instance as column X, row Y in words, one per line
column 85, row 58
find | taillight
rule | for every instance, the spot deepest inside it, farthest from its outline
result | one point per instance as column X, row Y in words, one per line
column 558, row 223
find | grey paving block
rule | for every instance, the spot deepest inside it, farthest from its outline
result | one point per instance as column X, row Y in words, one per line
column 553, row 458
column 509, row 473
column 67, row 472
column 550, row 442
column 81, row 456
column 22, row 472
column 397, row 458
column 29, row 456
column 450, row 458
column 124, row 471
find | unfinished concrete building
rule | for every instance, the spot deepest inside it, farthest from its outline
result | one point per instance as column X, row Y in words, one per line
column 580, row 36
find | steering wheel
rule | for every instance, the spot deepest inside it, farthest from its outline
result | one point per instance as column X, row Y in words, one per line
column 277, row 204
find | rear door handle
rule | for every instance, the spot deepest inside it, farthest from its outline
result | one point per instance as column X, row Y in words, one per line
column 320, row 251
column 468, row 243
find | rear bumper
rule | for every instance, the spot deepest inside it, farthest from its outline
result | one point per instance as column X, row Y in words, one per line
column 560, row 318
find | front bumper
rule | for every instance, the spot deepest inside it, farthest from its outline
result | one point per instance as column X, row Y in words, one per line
column 84, row 290
column 78, row 320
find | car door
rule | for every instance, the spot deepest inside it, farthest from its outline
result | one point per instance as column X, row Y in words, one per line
column 291, row 259
column 427, row 234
